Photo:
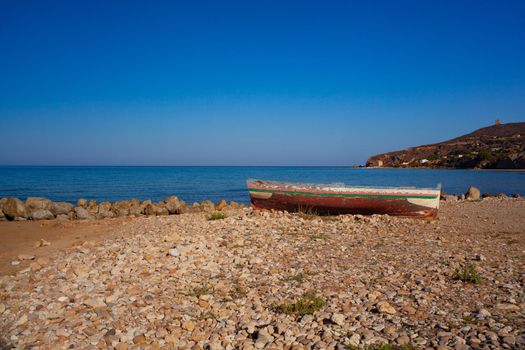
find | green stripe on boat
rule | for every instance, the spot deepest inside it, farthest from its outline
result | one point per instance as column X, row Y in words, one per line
column 340, row 194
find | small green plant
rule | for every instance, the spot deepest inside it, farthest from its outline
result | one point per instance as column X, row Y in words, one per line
column 299, row 278
column 217, row 216
column 201, row 290
column 383, row 346
column 307, row 212
column 304, row 305
column 238, row 292
column 469, row 275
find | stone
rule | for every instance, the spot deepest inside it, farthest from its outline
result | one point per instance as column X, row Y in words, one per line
column 354, row 339
column 174, row 252
column 221, row 205
column 37, row 203
column 473, row 194
column 140, row 340
column 507, row 307
column 482, row 313
column 174, row 205
column 385, row 307
column 403, row 340
column 188, row 325
column 173, row 238
column 14, row 208
column 122, row 208
column 104, row 211
column 480, row 257
column 207, row 206
column 26, row 257
column 41, row 214
column 2, row 216
column 155, row 209
column 83, row 214
column 338, row 319
column 43, row 261
column 95, row 303
column 61, row 208
column 171, row 339
column 82, row 203
column 21, row 321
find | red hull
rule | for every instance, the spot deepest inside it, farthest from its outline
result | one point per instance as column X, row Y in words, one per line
column 342, row 205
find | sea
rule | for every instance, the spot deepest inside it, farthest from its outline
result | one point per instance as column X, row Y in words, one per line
column 198, row 183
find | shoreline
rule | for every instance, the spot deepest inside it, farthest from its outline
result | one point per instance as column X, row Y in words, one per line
column 187, row 281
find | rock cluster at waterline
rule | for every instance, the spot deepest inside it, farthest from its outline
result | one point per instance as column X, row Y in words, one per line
column 35, row 208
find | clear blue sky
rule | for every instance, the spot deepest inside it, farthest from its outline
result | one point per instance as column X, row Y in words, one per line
column 251, row 82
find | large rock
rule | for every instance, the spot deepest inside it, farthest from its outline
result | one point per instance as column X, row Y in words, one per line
column 41, row 214
column 207, row 206
column 14, row 208
column 82, row 202
column 174, row 205
column 62, row 208
column 92, row 207
column 2, row 216
column 473, row 194
column 104, row 210
column 221, row 205
column 83, row 214
column 122, row 208
column 37, row 203
column 154, row 209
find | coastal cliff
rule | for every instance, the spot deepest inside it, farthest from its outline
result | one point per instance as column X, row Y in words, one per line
column 500, row 146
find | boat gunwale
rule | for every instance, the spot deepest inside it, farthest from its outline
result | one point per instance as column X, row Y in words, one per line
column 330, row 187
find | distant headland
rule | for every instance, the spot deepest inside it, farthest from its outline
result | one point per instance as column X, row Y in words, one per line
column 500, row 146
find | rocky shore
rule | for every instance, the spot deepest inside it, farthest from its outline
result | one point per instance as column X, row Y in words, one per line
column 36, row 208
column 249, row 279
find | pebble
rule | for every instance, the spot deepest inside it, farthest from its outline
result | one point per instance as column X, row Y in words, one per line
column 385, row 307
column 338, row 319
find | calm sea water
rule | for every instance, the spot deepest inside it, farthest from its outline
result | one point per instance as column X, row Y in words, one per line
column 215, row 183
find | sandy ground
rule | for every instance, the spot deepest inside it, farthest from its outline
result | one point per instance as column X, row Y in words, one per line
column 20, row 237
column 186, row 282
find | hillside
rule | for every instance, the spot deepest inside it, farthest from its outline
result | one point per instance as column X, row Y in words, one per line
column 500, row 146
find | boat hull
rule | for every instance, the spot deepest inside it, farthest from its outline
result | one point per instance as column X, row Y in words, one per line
column 326, row 202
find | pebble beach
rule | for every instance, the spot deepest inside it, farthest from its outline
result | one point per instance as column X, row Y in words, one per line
column 249, row 279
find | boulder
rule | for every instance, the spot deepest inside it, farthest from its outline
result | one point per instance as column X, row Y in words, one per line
column 41, row 214
column 473, row 194
column 92, row 207
column 36, row 203
column 207, row 206
column 235, row 205
column 162, row 209
column 174, row 205
column 61, row 208
column 14, row 208
column 153, row 209
column 82, row 203
column 83, row 214
column 104, row 211
column 2, row 216
column 221, row 205
column 137, row 209
column 122, row 208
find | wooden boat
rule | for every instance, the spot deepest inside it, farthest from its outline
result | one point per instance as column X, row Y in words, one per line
column 332, row 199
